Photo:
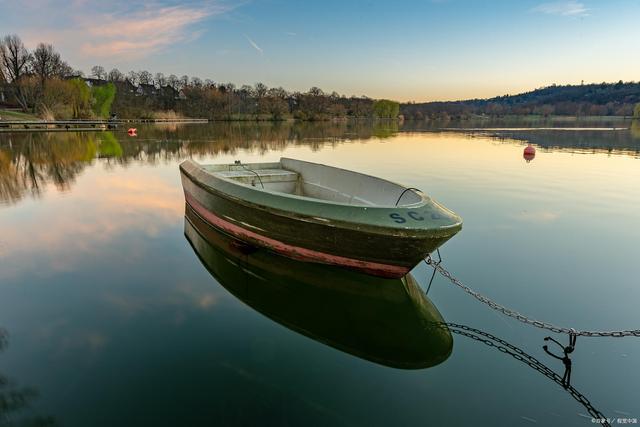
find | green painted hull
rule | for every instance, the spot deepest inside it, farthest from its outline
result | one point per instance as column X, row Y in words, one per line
column 387, row 321
column 367, row 238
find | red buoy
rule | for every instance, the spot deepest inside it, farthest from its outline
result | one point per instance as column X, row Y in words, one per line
column 529, row 153
column 132, row 132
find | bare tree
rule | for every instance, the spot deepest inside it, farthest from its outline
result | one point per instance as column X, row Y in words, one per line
column 196, row 82
column 246, row 91
column 45, row 62
column 184, row 81
column 133, row 77
column 260, row 90
column 115, row 75
column 65, row 70
column 173, row 81
column 26, row 92
column 316, row 91
column 278, row 92
column 98, row 72
column 145, row 77
column 14, row 58
column 160, row 80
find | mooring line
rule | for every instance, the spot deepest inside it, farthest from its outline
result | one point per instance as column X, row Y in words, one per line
column 437, row 266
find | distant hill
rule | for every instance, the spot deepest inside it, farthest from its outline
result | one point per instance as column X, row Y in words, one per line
column 603, row 99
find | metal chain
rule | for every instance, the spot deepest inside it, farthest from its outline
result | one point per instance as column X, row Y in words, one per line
column 524, row 319
column 519, row 354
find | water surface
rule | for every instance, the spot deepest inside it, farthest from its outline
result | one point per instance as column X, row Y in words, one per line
column 114, row 319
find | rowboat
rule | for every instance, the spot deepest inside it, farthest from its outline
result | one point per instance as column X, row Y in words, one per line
column 322, row 214
column 387, row 321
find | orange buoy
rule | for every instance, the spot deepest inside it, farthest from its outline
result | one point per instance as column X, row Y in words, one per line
column 529, row 153
column 132, row 132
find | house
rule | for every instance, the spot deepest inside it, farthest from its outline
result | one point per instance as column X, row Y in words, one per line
column 125, row 86
column 91, row 82
column 146, row 89
column 169, row 92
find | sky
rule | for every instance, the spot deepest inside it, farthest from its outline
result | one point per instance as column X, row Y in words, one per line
column 413, row 50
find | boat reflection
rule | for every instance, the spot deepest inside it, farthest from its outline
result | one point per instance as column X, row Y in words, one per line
column 387, row 321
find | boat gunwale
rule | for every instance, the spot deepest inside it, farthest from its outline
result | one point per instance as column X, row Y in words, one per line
column 396, row 230
column 424, row 198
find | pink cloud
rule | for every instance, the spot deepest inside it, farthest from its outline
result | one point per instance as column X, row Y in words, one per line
column 121, row 30
column 143, row 32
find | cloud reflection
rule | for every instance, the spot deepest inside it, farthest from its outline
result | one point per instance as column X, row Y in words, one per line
column 103, row 208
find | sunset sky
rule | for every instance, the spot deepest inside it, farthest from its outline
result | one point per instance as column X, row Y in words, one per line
column 413, row 50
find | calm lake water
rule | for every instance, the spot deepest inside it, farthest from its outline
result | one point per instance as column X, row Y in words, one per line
column 113, row 317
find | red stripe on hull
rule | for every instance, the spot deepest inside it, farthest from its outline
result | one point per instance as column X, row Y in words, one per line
column 295, row 252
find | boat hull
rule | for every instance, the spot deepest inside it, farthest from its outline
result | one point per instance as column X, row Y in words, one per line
column 386, row 321
column 310, row 238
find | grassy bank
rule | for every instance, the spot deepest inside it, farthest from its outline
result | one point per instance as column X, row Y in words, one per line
column 16, row 115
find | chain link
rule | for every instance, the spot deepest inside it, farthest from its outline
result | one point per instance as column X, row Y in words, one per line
column 522, row 318
column 520, row 355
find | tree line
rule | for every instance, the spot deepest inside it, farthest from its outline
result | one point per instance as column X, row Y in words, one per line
column 40, row 82
column 601, row 99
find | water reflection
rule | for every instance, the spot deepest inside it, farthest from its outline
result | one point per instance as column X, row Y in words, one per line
column 390, row 322
column 520, row 355
column 381, row 320
column 101, row 280
column 30, row 161
column 15, row 400
column 626, row 142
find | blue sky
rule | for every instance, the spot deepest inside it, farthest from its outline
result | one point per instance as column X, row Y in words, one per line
column 410, row 50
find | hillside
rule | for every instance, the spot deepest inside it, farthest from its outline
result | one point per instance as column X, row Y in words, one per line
column 603, row 99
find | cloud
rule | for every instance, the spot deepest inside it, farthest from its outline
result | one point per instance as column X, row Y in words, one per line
column 117, row 30
column 562, row 8
column 254, row 45
column 145, row 31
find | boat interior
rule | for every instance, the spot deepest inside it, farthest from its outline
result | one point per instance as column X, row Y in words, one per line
column 317, row 181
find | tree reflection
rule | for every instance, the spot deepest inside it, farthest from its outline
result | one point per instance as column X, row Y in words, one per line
column 626, row 142
column 635, row 129
column 15, row 400
column 29, row 161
